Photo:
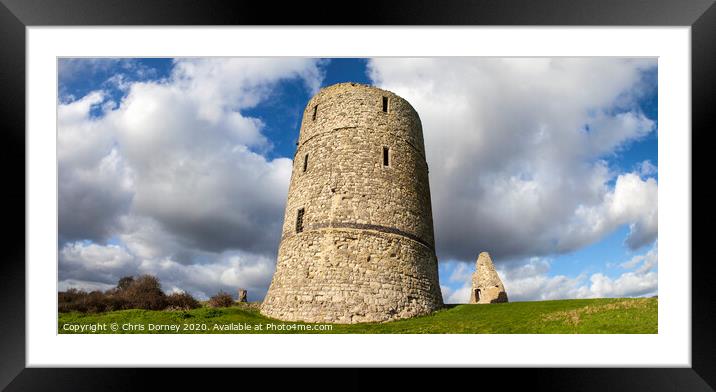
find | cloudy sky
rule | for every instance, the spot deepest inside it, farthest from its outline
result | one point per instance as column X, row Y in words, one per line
column 180, row 168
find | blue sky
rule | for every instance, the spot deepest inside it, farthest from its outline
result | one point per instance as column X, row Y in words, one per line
column 549, row 164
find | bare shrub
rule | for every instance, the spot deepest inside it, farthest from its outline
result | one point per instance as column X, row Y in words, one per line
column 95, row 302
column 74, row 300
column 125, row 282
column 181, row 301
column 71, row 300
column 142, row 292
column 221, row 300
column 145, row 292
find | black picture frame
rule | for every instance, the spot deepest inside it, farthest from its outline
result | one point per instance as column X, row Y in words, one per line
column 16, row 15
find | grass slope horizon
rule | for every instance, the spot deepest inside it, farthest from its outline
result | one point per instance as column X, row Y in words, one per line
column 592, row 316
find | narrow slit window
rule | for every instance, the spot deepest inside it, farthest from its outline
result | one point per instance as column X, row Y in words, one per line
column 315, row 111
column 385, row 104
column 299, row 220
column 386, row 156
column 305, row 163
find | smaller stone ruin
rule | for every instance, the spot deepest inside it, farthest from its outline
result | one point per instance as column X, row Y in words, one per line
column 242, row 295
column 487, row 288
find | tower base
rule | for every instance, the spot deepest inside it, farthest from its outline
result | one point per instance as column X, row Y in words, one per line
column 351, row 276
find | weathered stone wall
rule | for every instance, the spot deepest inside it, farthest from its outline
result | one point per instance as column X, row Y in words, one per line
column 366, row 252
column 350, row 276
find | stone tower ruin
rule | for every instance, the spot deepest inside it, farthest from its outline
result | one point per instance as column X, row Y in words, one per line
column 487, row 287
column 357, row 242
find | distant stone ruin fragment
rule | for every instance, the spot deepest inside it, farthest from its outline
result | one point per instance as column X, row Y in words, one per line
column 242, row 295
column 487, row 287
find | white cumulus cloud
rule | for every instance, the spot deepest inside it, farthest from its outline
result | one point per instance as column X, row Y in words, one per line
column 518, row 150
column 178, row 173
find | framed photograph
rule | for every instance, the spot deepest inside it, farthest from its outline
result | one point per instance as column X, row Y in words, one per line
column 475, row 185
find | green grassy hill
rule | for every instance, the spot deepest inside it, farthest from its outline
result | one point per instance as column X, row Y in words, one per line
column 604, row 315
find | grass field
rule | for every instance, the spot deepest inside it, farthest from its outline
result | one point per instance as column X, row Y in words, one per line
column 605, row 315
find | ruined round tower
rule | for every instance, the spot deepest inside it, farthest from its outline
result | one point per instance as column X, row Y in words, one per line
column 357, row 242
